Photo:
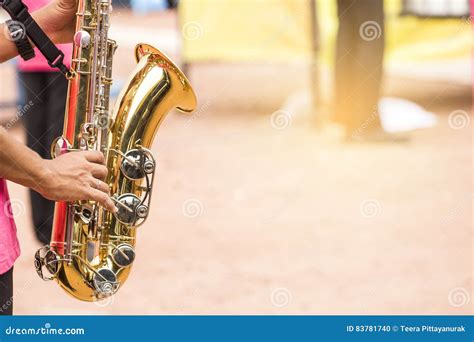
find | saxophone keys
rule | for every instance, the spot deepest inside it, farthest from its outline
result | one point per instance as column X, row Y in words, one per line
column 59, row 147
column 107, row 80
column 82, row 39
column 121, row 205
column 127, row 206
column 47, row 259
column 105, row 282
column 103, row 120
column 142, row 211
column 149, row 167
column 123, row 255
column 137, row 164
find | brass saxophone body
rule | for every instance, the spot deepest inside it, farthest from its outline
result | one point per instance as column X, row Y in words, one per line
column 92, row 250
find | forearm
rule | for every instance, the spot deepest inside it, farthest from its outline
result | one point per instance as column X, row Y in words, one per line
column 18, row 163
column 77, row 176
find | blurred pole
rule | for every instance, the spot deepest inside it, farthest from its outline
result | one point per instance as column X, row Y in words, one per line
column 172, row 3
column 315, row 92
column 185, row 65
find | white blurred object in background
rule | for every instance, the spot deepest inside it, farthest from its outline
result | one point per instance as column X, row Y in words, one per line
column 399, row 115
column 440, row 8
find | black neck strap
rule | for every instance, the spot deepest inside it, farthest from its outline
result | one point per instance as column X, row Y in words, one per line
column 19, row 12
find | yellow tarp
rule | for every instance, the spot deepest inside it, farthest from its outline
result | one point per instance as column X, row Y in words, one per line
column 245, row 30
column 279, row 30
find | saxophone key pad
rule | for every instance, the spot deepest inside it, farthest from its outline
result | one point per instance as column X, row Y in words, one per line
column 127, row 209
column 46, row 260
column 82, row 39
column 105, row 282
column 103, row 121
column 123, row 255
column 59, row 147
column 137, row 164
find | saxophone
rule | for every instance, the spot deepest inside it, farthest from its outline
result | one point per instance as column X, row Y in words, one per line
column 92, row 250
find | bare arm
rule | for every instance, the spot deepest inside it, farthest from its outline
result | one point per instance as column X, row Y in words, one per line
column 56, row 19
column 73, row 176
column 18, row 163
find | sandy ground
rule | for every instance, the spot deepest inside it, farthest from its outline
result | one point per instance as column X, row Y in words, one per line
column 251, row 217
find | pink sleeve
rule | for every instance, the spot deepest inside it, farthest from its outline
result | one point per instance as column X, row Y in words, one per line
column 40, row 64
column 9, row 246
column 33, row 5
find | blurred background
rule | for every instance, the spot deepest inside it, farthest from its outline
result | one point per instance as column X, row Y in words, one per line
column 327, row 169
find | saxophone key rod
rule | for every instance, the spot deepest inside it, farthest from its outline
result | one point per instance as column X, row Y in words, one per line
column 123, row 155
column 121, row 253
column 120, row 204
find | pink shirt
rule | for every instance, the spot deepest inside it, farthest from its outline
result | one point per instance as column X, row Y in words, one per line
column 9, row 246
column 39, row 63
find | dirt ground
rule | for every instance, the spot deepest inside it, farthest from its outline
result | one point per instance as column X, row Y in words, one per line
column 252, row 216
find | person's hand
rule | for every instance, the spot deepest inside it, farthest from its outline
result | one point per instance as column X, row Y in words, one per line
column 76, row 176
column 58, row 20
